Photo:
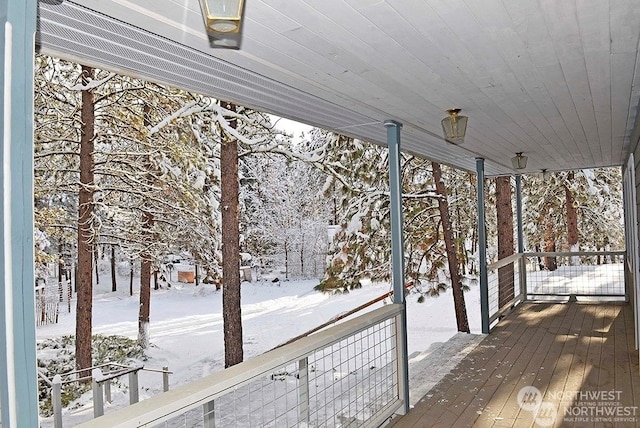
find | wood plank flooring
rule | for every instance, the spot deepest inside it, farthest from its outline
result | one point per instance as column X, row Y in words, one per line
column 576, row 363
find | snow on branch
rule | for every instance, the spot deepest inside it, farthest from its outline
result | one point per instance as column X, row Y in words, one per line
column 186, row 110
column 92, row 84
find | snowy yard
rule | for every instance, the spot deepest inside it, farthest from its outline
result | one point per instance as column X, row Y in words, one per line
column 186, row 325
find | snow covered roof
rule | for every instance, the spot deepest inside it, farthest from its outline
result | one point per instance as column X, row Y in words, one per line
column 557, row 80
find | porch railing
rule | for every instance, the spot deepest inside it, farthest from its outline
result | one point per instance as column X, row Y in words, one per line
column 593, row 275
column 597, row 274
column 506, row 289
column 346, row 375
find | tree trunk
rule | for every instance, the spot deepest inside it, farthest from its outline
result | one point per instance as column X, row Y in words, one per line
column 60, row 272
column 145, row 287
column 113, row 268
column 550, row 262
column 230, row 190
column 302, row 256
column 572, row 221
column 504, row 214
column 146, row 258
column 456, row 283
column 145, row 303
column 84, row 280
column 286, row 259
column 95, row 262
column 131, row 278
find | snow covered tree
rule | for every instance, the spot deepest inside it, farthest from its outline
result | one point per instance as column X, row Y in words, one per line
column 358, row 178
column 573, row 210
column 286, row 215
column 57, row 134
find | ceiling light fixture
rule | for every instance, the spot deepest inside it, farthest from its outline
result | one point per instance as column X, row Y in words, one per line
column 223, row 19
column 545, row 175
column 454, row 126
column 519, row 161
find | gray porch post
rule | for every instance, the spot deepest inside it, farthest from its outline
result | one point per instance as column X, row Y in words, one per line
column 482, row 244
column 18, row 390
column 397, row 254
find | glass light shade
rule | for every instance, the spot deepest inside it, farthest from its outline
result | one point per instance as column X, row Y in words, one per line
column 222, row 16
column 519, row 161
column 454, row 126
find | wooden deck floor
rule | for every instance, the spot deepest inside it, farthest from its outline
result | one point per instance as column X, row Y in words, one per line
column 580, row 357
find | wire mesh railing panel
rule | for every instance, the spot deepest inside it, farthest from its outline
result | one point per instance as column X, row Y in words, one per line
column 579, row 274
column 503, row 285
column 354, row 378
column 344, row 383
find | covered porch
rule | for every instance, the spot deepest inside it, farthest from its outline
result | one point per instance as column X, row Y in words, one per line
column 557, row 81
column 579, row 357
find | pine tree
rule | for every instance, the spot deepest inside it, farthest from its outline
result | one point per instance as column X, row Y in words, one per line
column 452, row 256
column 86, row 231
column 504, row 220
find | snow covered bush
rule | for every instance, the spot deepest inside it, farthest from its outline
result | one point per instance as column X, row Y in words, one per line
column 57, row 356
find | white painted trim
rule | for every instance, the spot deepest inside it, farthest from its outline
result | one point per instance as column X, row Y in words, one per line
column 7, row 229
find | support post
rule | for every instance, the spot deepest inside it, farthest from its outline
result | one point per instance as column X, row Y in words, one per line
column 56, row 401
column 303, row 387
column 522, row 260
column 133, row 387
column 107, row 391
column 482, row 250
column 209, row 415
column 632, row 284
column 98, row 397
column 18, row 383
column 165, row 378
column 397, row 258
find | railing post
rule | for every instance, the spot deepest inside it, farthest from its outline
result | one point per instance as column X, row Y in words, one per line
column 303, row 388
column 56, row 401
column 523, row 275
column 98, row 402
column 133, row 387
column 107, row 391
column 165, row 378
column 208, row 415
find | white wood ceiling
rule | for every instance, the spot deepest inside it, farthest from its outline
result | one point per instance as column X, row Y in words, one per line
column 555, row 79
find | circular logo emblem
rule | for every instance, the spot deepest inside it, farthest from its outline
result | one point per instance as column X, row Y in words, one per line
column 546, row 414
column 529, row 398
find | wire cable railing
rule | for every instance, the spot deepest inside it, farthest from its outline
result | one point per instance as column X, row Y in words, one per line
column 555, row 276
column 346, row 375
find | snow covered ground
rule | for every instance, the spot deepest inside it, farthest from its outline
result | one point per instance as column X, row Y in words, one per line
column 186, row 324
